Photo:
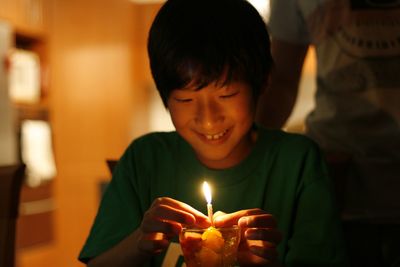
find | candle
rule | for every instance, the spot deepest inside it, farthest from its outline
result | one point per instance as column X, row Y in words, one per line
column 207, row 194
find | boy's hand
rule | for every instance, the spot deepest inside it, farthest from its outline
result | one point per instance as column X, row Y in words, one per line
column 164, row 220
column 259, row 238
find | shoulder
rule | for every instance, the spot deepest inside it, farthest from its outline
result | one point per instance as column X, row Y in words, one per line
column 301, row 147
column 301, row 142
column 305, row 153
column 289, row 142
column 146, row 155
column 298, row 151
column 155, row 140
column 152, row 146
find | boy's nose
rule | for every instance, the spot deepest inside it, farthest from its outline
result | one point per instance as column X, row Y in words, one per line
column 209, row 114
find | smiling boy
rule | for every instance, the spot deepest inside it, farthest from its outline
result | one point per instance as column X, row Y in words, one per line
column 210, row 61
column 216, row 121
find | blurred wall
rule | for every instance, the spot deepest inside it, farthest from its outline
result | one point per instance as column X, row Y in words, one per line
column 98, row 104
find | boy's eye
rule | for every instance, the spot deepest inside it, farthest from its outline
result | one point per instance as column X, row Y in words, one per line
column 182, row 100
column 229, row 95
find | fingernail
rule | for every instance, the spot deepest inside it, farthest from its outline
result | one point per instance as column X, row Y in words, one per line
column 255, row 249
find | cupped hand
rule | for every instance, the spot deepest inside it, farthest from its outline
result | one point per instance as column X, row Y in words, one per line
column 164, row 220
column 259, row 239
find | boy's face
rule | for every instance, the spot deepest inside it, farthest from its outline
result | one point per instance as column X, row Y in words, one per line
column 216, row 121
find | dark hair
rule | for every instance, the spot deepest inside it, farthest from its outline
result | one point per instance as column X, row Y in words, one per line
column 196, row 42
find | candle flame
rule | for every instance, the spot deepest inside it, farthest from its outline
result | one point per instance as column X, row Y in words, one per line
column 207, row 192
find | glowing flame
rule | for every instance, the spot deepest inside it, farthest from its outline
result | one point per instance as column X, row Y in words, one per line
column 207, row 192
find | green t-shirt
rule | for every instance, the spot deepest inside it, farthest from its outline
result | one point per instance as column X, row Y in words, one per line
column 284, row 175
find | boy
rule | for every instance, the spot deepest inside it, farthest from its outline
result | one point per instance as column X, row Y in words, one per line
column 210, row 60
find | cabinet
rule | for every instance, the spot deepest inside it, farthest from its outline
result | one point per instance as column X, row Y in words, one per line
column 28, row 21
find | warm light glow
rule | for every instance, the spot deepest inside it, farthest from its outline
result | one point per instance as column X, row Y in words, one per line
column 262, row 7
column 207, row 192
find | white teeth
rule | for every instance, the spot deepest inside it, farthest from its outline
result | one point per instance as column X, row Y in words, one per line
column 215, row 136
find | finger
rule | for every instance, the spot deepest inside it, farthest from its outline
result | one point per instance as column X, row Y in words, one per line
column 153, row 243
column 169, row 228
column 178, row 205
column 266, row 251
column 250, row 259
column 217, row 214
column 265, row 234
column 200, row 218
column 261, row 220
column 233, row 218
column 247, row 258
column 166, row 212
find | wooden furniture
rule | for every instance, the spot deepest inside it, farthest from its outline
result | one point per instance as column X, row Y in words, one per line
column 11, row 178
column 111, row 164
column 29, row 21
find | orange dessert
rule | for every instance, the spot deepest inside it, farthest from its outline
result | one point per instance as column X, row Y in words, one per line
column 210, row 247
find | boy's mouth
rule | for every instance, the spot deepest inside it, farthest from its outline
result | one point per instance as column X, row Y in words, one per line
column 216, row 136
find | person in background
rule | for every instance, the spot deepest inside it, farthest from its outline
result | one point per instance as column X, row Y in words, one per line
column 356, row 119
column 210, row 61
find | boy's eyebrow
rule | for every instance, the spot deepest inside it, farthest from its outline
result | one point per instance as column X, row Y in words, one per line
column 223, row 81
column 192, row 86
column 187, row 88
column 218, row 87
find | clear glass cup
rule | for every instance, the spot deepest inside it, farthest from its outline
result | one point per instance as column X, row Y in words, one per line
column 211, row 247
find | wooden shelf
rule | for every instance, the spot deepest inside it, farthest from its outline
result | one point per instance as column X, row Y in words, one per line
column 36, row 212
column 28, row 23
column 26, row 40
column 30, row 33
column 37, row 111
